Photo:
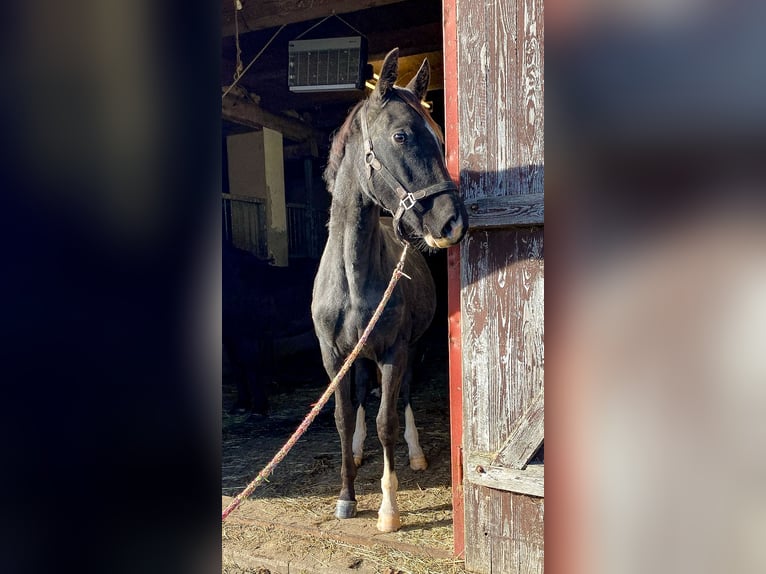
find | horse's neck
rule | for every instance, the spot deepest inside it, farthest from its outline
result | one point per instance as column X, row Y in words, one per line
column 354, row 227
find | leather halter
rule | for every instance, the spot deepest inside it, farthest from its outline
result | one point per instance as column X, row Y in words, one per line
column 407, row 199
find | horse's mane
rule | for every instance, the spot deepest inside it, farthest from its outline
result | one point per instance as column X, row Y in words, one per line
column 338, row 146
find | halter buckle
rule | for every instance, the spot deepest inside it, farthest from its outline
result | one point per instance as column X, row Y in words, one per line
column 371, row 162
column 408, row 201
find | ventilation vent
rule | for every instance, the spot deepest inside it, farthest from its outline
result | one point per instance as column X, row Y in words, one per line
column 327, row 65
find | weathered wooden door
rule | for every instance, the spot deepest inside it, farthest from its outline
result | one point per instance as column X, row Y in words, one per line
column 494, row 89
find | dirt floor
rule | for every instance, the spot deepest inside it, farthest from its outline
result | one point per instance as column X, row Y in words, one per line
column 287, row 525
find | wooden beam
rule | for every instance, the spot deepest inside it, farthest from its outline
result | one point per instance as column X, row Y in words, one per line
column 525, row 437
column 506, row 211
column 454, row 285
column 258, row 14
column 410, row 40
column 249, row 114
column 479, row 469
column 242, row 198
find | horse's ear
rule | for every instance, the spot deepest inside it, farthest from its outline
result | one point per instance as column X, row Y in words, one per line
column 419, row 84
column 389, row 71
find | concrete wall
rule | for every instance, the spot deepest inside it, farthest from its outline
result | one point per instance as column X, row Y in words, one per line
column 256, row 169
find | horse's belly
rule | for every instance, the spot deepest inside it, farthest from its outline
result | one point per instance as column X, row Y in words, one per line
column 342, row 327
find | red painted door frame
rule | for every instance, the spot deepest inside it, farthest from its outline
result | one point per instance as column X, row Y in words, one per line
column 453, row 277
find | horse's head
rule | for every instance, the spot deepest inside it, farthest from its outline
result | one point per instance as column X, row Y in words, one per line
column 404, row 168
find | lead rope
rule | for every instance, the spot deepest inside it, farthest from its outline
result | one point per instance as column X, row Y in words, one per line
column 269, row 468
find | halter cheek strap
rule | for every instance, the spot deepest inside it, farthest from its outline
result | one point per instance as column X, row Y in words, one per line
column 407, row 200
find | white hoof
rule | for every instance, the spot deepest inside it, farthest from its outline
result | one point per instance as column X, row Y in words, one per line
column 388, row 522
column 418, row 463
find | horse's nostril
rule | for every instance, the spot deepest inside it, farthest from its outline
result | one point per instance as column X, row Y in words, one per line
column 454, row 228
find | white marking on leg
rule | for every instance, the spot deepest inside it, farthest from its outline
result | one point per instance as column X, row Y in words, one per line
column 360, row 433
column 417, row 456
column 388, row 514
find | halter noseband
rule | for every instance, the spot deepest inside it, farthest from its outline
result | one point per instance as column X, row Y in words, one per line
column 407, row 200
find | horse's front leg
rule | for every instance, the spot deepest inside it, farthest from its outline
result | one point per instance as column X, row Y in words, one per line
column 388, row 430
column 344, row 421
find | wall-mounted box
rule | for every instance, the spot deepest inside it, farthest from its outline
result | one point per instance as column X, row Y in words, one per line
column 327, row 64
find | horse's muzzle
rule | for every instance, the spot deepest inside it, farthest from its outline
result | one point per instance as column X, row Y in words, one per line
column 451, row 234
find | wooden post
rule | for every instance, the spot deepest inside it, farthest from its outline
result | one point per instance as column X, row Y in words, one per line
column 453, row 281
column 246, row 179
column 276, row 209
column 256, row 169
column 456, row 399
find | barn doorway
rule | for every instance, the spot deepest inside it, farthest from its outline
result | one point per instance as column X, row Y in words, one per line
column 288, row 523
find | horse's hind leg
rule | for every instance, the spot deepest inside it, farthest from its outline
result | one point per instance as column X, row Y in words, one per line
column 417, row 456
column 388, row 430
column 365, row 371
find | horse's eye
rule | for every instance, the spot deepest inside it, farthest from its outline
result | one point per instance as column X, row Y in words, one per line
column 399, row 137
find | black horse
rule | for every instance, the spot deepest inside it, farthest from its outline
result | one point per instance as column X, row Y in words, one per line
column 387, row 156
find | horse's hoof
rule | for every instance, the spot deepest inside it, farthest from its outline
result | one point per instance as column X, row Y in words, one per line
column 389, row 522
column 357, row 461
column 418, row 463
column 345, row 509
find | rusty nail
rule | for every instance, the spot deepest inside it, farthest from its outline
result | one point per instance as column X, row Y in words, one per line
column 480, row 469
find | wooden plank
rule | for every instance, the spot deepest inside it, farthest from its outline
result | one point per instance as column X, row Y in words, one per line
column 506, row 211
column 502, row 334
column 478, row 543
column 246, row 113
column 502, row 329
column 243, row 198
column 529, row 558
column 258, row 14
column 480, row 469
column 508, row 537
column 512, row 514
column 276, row 211
column 499, row 57
column 456, row 399
column 526, row 436
column 501, row 528
column 527, row 517
column 452, row 141
column 501, row 85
